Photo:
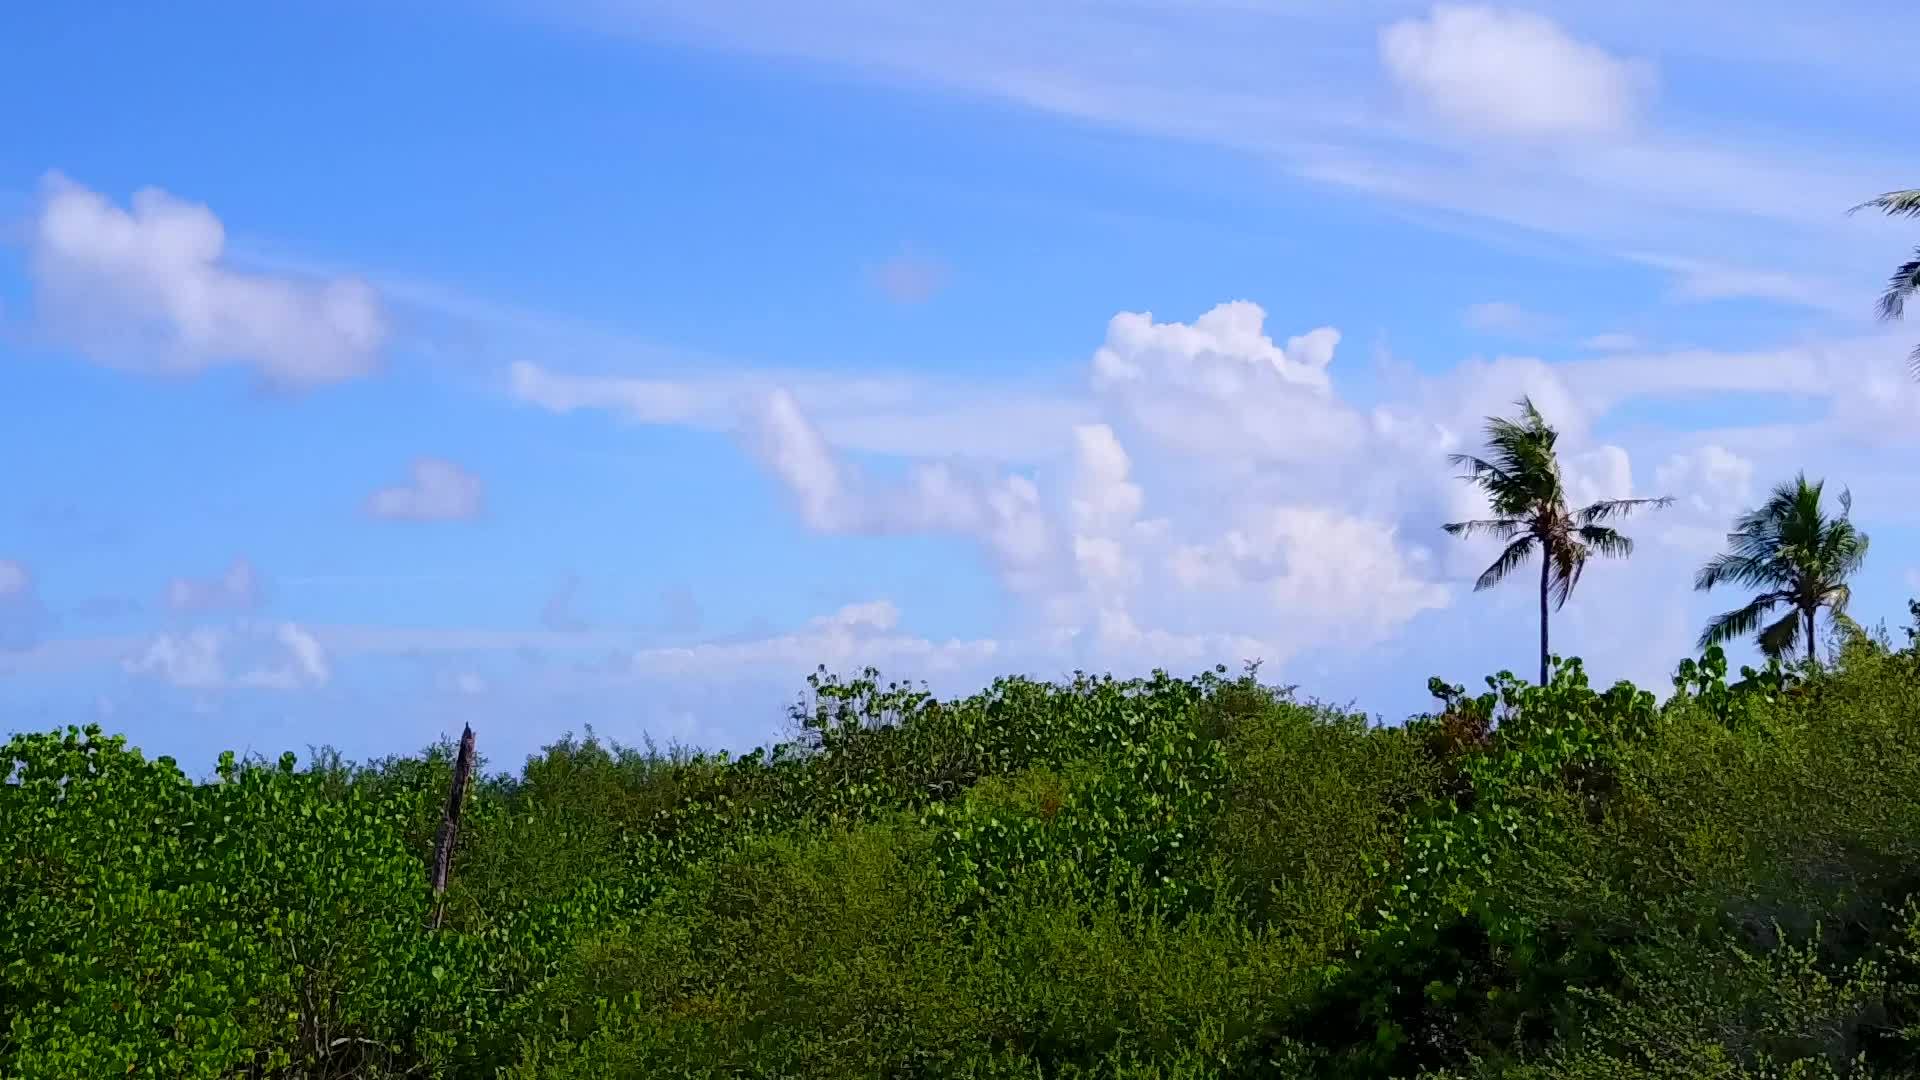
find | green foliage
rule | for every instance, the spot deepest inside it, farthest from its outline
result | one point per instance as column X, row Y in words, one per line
column 1521, row 479
column 1799, row 559
column 1904, row 282
column 1156, row 878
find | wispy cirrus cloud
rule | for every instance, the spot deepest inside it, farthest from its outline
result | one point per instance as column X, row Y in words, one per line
column 1637, row 164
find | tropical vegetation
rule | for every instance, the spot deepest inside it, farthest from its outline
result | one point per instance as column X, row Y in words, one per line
column 1199, row 878
column 1798, row 556
column 1905, row 280
column 1521, row 479
column 1207, row 878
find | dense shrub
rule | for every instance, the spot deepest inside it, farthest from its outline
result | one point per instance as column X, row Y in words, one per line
column 1158, row 878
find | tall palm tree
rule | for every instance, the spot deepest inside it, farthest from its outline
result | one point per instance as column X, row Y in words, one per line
column 1905, row 281
column 1798, row 555
column 1529, row 501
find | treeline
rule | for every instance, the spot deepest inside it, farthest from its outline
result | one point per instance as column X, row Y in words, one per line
column 1157, row 878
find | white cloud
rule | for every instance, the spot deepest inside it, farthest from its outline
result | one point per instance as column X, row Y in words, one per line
column 1105, row 494
column 1318, row 563
column 1097, row 579
column 901, row 415
column 1712, row 486
column 1511, row 72
column 1613, row 341
column 310, row 660
column 1716, row 482
column 934, row 497
column 653, row 401
column 149, row 288
column 910, row 279
column 1220, row 386
column 1501, row 317
column 438, row 490
column 857, row 634
column 1217, row 494
column 1705, row 280
column 23, row 618
column 239, row 588
column 190, row 661
column 464, row 683
column 277, row 657
column 1706, row 184
column 1602, row 473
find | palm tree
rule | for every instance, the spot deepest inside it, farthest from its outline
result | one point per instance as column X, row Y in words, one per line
column 1799, row 556
column 1529, row 501
column 1905, row 281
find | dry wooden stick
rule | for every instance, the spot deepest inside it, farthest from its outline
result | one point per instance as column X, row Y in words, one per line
column 450, row 824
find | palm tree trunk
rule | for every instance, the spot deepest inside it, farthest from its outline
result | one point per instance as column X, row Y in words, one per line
column 1810, row 653
column 1545, row 565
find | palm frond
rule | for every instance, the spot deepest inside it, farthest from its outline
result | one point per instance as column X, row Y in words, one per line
column 1476, row 467
column 1605, row 541
column 1837, row 599
column 1507, row 492
column 1904, row 283
column 1608, row 509
column 1893, row 204
column 1779, row 639
column 1736, row 569
column 1741, row 621
column 1500, row 528
column 1569, row 562
column 1509, row 561
column 1791, row 547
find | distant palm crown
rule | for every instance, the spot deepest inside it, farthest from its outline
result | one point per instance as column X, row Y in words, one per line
column 1524, row 488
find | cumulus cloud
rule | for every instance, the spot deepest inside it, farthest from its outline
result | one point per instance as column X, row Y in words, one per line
column 910, row 279
column 1317, row 561
column 1510, row 72
column 1712, row 486
column 237, row 589
column 1715, row 481
column 1101, row 579
column 149, row 287
column 1221, row 386
column 1218, row 498
column 275, row 657
column 437, row 490
column 934, row 497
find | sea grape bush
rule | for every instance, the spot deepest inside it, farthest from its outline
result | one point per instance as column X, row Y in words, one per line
column 1148, row 878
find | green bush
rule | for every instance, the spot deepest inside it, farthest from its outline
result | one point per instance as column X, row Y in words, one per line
column 1157, row 878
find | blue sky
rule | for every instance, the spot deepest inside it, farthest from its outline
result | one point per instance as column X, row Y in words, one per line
column 370, row 369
